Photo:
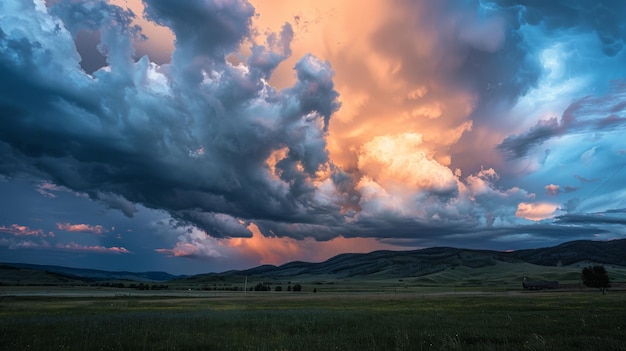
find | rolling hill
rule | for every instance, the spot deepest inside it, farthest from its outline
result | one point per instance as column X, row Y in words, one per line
column 416, row 263
column 44, row 274
column 436, row 265
column 603, row 252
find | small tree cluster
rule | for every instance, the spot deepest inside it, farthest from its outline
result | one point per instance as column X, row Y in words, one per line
column 262, row 287
column 596, row 277
column 278, row 287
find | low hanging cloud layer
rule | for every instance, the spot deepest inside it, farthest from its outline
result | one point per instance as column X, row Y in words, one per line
column 447, row 122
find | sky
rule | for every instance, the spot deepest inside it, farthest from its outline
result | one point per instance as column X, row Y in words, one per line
column 208, row 135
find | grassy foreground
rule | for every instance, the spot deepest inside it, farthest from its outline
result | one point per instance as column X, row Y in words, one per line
column 533, row 321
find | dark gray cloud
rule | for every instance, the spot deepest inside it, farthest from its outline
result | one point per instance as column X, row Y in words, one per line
column 501, row 238
column 616, row 216
column 516, row 146
column 266, row 59
column 192, row 138
column 203, row 28
column 589, row 114
column 118, row 202
column 585, row 180
column 93, row 15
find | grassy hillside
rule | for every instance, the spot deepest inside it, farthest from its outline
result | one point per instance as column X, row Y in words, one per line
column 611, row 252
column 443, row 266
column 93, row 274
column 379, row 270
column 496, row 277
column 11, row 275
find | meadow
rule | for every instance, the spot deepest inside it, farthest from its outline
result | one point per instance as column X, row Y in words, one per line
column 555, row 320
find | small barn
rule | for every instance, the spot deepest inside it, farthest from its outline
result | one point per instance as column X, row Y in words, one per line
column 539, row 285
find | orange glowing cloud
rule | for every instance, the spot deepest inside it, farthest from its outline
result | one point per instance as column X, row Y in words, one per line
column 81, row 228
column 378, row 96
column 371, row 58
column 195, row 249
column 275, row 157
column 276, row 251
column 260, row 249
column 536, row 211
column 402, row 161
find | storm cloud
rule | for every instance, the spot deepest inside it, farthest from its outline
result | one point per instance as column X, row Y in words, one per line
column 431, row 123
column 193, row 137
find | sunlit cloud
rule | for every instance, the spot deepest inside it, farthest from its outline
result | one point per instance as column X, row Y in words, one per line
column 260, row 249
column 81, row 228
column 536, row 211
column 21, row 230
column 92, row 248
column 402, row 162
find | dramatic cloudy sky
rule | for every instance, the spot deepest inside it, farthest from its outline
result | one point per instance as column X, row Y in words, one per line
column 207, row 135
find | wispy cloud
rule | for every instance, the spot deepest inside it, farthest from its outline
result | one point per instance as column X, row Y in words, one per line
column 92, row 248
column 21, row 230
column 196, row 250
column 591, row 113
column 49, row 189
column 81, row 228
column 19, row 244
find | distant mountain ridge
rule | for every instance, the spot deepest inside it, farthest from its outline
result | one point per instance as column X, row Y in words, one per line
column 84, row 274
column 430, row 260
column 604, row 252
column 383, row 263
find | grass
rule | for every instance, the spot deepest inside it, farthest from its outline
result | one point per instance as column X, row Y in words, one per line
column 270, row 321
column 498, row 277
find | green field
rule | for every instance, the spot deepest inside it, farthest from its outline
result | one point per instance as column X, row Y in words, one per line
column 493, row 278
column 584, row 320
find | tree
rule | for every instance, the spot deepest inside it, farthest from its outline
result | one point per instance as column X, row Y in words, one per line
column 596, row 277
column 297, row 287
column 262, row 287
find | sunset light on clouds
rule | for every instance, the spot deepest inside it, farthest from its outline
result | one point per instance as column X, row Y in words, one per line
column 208, row 135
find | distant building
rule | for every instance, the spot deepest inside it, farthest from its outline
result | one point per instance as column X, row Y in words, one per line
column 539, row 285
